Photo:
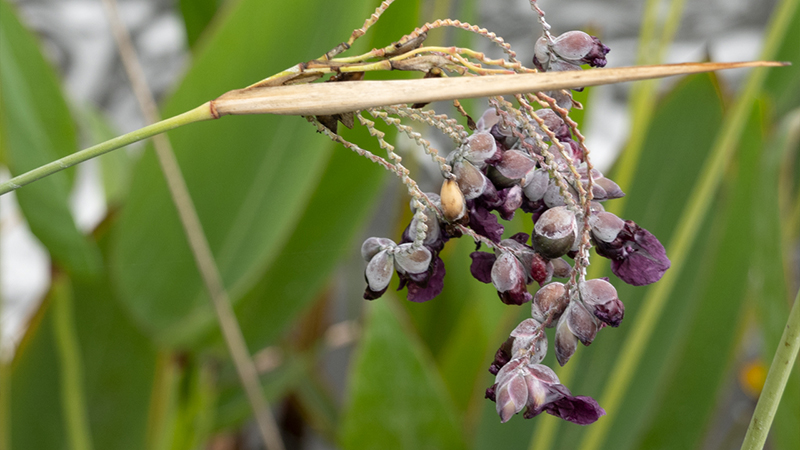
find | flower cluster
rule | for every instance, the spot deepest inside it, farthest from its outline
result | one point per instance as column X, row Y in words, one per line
column 529, row 158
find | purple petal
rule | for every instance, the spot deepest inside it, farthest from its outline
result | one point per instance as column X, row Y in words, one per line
column 481, row 267
column 485, row 223
column 581, row 410
column 502, row 356
column 646, row 261
column 522, row 238
column 423, row 292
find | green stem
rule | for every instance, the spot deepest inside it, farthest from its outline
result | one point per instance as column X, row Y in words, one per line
column 73, row 399
column 202, row 112
column 779, row 372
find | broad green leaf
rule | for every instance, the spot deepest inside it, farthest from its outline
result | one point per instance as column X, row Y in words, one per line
column 197, row 15
column 683, row 128
column 396, row 398
column 700, row 369
column 36, row 128
column 768, row 280
column 783, row 84
column 250, row 177
column 116, row 374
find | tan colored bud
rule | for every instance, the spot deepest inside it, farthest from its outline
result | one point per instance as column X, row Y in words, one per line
column 454, row 206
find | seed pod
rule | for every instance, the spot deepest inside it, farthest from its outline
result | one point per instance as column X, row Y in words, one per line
column 573, row 45
column 470, row 180
column 555, row 232
column 561, row 268
column 566, row 342
column 509, row 279
column 410, row 260
column 488, row 120
column 535, row 184
column 529, row 336
column 480, row 146
column 552, row 197
column 606, row 226
column 379, row 271
column 581, row 323
column 373, row 245
column 454, row 206
column 549, row 303
column 515, row 164
column 512, row 393
column 600, row 297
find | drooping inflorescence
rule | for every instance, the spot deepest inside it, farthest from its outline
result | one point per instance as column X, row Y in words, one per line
column 529, row 157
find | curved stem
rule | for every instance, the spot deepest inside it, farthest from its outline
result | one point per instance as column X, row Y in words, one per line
column 202, row 112
column 778, row 375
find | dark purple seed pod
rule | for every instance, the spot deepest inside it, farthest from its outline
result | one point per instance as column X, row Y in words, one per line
column 373, row 245
column 600, row 297
column 549, row 303
column 565, row 342
column 555, row 232
column 581, row 323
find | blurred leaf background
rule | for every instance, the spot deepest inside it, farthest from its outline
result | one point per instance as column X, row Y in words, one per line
column 124, row 351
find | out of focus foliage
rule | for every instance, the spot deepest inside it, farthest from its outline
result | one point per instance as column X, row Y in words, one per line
column 124, row 351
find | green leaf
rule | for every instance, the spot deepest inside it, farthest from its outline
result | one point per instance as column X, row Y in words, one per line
column 36, row 128
column 396, row 398
column 783, row 83
column 250, row 178
column 196, row 16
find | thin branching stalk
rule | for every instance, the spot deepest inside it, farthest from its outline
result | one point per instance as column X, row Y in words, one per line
column 778, row 375
column 198, row 242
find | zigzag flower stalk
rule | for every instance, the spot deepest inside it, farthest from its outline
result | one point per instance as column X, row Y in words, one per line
column 526, row 156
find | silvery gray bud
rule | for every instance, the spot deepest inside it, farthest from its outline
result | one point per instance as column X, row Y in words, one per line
column 581, row 323
column 470, row 180
column 535, row 184
column 480, row 146
column 555, row 232
column 566, row 342
column 373, row 245
column 410, row 260
column 553, row 197
column 510, row 280
column 530, row 336
column 512, row 390
column 605, row 226
column 549, row 303
column 379, row 271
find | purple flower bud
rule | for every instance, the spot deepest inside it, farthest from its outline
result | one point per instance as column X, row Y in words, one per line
column 566, row 342
column 637, row 257
column 553, row 198
column 581, row 323
column 509, row 278
column 373, row 245
column 511, row 390
column 555, row 232
column 378, row 274
column 577, row 46
column 605, row 226
column 549, row 303
column 600, row 296
column 561, row 268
